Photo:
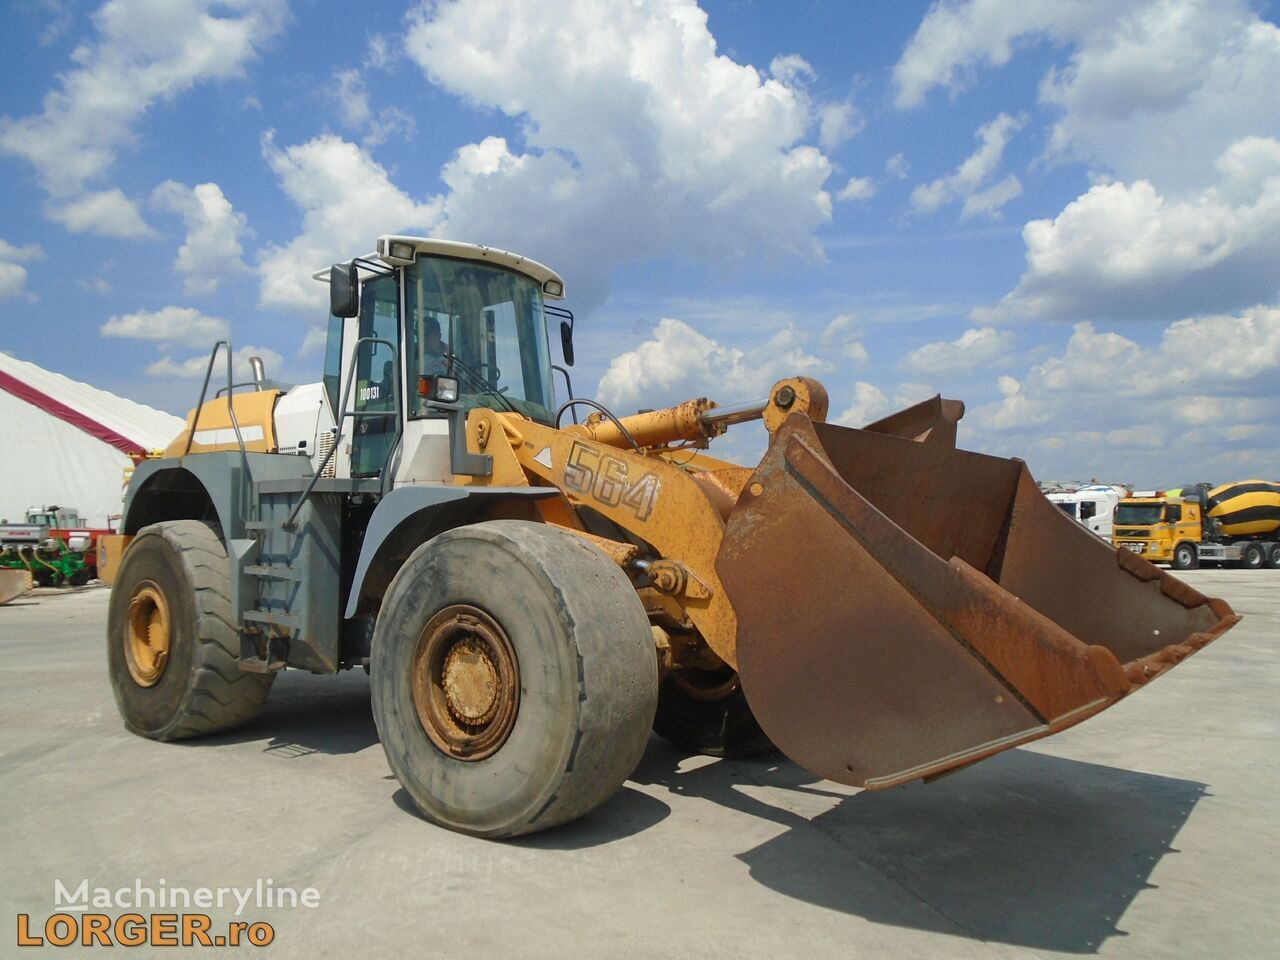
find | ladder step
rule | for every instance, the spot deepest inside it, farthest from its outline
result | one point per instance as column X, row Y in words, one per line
column 261, row 666
column 273, row 618
column 273, row 571
column 259, row 525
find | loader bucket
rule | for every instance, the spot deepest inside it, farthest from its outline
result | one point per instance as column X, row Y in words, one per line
column 906, row 608
column 13, row 584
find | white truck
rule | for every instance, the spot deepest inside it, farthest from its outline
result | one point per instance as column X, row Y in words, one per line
column 1092, row 505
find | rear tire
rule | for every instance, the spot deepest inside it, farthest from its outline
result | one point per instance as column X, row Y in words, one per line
column 172, row 594
column 551, row 707
column 1184, row 557
column 1273, row 558
column 694, row 719
column 1252, row 556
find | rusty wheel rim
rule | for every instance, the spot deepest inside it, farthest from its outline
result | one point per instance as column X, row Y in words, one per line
column 466, row 682
column 147, row 635
column 709, row 686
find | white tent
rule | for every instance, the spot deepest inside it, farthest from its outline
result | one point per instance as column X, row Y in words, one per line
column 65, row 443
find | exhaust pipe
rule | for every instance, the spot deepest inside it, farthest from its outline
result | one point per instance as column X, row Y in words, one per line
column 259, row 371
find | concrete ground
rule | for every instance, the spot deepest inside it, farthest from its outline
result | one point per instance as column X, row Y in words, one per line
column 1149, row 831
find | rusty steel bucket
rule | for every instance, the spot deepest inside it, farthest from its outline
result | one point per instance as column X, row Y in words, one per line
column 906, row 608
column 13, row 584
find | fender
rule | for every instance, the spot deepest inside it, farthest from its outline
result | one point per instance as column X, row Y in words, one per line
column 189, row 484
column 415, row 506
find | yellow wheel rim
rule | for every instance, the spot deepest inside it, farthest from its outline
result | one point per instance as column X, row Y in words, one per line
column 147, row 635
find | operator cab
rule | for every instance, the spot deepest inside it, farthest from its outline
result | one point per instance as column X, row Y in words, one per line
column 435, row 328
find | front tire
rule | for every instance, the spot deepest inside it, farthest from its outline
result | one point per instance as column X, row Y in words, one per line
column 171, row 646
column 1184, row 557
column 514, row 678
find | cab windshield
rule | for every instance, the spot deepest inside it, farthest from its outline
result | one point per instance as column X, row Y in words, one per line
column 1143, row 514
column 482, row 325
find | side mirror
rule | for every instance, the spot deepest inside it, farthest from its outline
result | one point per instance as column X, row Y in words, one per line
column 344, row 290
column 566, row 342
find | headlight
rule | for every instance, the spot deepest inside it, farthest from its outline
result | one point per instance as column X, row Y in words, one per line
column 446, row 389
column 440, row 389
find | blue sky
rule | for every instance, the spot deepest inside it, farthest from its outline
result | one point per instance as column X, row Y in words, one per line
column 1064, row 212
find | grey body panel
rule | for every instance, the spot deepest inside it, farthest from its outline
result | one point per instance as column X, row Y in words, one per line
column 286, row 583
column 223, row 478
column 417, row 503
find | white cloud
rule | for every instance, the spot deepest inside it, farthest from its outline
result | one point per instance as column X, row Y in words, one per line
column 212, row 248
column 1126, row 250
column 22, row 254
column 678, row 362
column 858, row 188
column 99, row 285
column 108, row 213
column 898, row 166
column 640, row 140
column 1152, row 88
column 357, row 114
column 347, row 201
column 1203, row 398
column 972, row 350
column 13, row 276
column 194, row 368
column 869, row 404
column 145, row 50
column 353, row 98
column 840, row 338
column 314, row 341
column 178, row 326
column 966, row 182
column 13, row 279
column 956, row 36
column 838, row 123
column 1172, row 105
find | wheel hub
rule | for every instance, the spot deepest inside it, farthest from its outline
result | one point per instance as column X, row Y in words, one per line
column 465, row 682
column 147, row 635
column 470, row 683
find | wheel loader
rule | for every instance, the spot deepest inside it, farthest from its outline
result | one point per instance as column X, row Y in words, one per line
column 534, row 586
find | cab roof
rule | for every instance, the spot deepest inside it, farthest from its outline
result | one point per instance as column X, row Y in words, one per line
column 397, row 250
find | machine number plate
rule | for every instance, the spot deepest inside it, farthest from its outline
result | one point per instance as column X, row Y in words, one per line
column 1137, row 546
column 593, row 473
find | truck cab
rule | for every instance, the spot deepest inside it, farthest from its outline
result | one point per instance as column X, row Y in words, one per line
column 1154, row 527
column 1092, row 506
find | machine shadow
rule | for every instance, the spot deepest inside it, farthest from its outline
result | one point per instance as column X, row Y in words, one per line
column 306, row 715
column 626, row 813
column 1024, row 849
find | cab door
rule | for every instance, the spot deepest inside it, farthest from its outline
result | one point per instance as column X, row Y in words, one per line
column 378, row 383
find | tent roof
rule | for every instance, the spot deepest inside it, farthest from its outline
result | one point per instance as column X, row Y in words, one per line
column 131, row 427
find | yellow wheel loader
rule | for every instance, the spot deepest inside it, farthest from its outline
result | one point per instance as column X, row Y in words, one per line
column 533, row 586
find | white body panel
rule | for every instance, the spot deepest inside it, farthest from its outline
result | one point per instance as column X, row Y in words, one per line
column 424, row 453
column 1092, row 506
column 302, row 418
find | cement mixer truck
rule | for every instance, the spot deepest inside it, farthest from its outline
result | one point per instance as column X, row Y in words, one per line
column 1237, row 524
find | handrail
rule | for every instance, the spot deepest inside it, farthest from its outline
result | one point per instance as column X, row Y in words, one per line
column 231, row 413
column 555, row 367
column 345, row 414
